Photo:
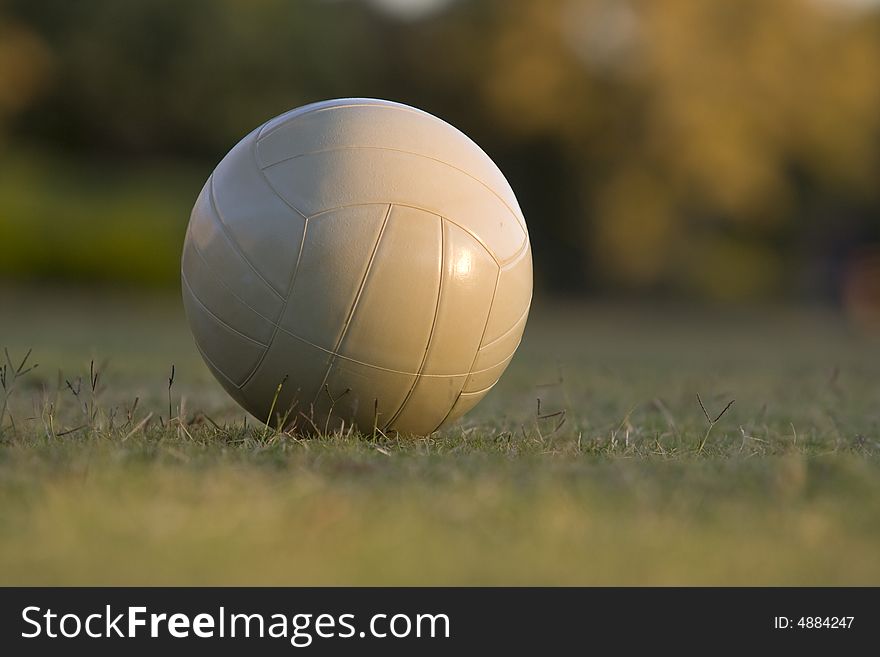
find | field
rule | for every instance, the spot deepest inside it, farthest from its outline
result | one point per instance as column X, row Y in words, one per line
column 619, row 477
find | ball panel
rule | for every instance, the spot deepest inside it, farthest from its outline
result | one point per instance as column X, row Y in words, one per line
column 228, row 384
column 512, row 299
column 466, row 401
column 485, row 376
column 381, row 125
column 219, row 300
column 367, row 386
column 428, row 404
column 391, row 326
column 469, row 275
column 336, row 255
column 302, row 364
column 266, row 230
column 322, row 106
column 207, row 237
column 332, row 179
column 502, row 347
column 231, row 352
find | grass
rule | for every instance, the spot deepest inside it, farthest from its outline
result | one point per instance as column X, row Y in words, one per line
column 619, row 475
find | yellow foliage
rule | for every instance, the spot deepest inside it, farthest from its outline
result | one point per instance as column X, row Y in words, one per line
column 720, row 102
column 25, row 64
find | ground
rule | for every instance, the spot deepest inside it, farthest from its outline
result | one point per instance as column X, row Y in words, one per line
column 626, row 482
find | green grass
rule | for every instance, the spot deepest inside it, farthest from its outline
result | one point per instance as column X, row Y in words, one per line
column 633, row 488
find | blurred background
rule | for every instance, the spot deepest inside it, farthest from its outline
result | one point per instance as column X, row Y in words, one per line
column 718, row 151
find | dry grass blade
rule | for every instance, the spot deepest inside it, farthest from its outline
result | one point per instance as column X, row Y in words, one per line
column 705, row 412
column 8, row 384
column 274, row 402
column 138, row 427
column 170, row 383
column 710, row 421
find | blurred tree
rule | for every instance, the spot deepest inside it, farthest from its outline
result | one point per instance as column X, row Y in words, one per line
column 25, row 68
column 696, row 126
column 159, row 76
column 724, row 148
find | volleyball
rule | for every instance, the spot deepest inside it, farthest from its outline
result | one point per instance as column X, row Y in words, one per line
column 357, row 262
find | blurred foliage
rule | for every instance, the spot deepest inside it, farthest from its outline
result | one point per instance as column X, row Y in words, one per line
column 94, row 224
column 726, row 149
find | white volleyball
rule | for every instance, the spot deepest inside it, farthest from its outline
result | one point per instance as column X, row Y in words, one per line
column 366, row 257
